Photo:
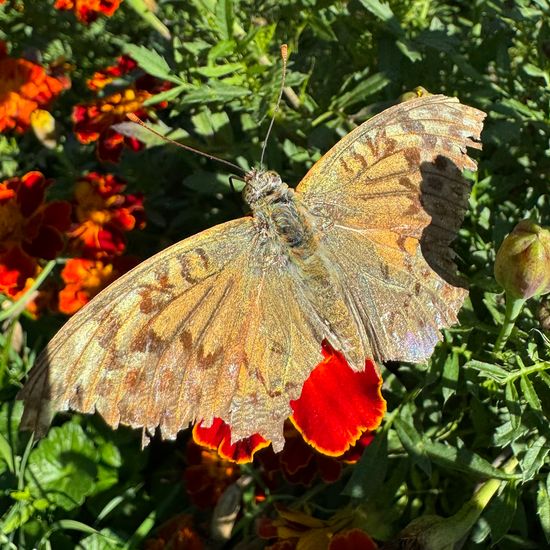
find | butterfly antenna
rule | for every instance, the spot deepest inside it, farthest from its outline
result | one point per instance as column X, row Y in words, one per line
column 137, row 120
column 284, row 56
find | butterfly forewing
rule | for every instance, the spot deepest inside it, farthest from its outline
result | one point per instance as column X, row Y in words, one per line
column 207, row 328
column 389, row 198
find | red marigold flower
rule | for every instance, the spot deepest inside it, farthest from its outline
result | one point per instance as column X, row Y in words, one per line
column 85, row 278
column 100, row 79
column 93, row 121
column 24, row 87
column 332, row 386
column 87, row 11
column 207, row 475
column 351, row 540
column 103, row 214
column 177, row 533
column 16, row 268
column 30, row 229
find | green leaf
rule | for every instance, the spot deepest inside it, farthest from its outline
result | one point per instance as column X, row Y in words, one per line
column 362, row 91
column 215, row 71
column 411, row 440
column 535, row 458
column 151, row 62
column 489, row 370
column 106, row 539
column 380, row 9
column 529, row 393
column 215, row 91
column 224, row 18
column 208, row 182
column 450, row 376
column 501, row 511
column 168, row 95
column 512, row 404
column 368, row 475
column 143, row 9
column 62, row 467
column 543, row 506
column 462, row 460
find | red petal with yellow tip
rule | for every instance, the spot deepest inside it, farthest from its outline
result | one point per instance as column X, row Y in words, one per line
column 338, row 404
column 218, row 437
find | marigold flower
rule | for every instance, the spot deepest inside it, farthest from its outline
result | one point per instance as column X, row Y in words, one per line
column 177, row 533
column 24, row 87
column 85, row 278
column 30, row 229
column 297, row 529
column 102, row 215
column 93, row 121
column 100, row 79
column 87, row 11
column 332, row 386
column 207, row 475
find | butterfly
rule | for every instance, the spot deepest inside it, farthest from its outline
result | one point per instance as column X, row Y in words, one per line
column 228, row 323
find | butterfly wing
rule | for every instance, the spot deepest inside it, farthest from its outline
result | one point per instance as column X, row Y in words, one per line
column 203, row 329
column 389, row 198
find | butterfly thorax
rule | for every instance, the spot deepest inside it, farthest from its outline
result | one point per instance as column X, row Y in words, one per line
column 279, row 216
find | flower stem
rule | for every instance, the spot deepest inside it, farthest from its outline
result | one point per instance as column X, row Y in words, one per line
column 513, row 308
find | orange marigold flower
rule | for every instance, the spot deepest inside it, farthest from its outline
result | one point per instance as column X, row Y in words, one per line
column 100, row 79
column 24, row 87
column 85, row 278
column 207, row 475
column 30, row 229
column 102, row 214
column 93, row 121
column 177, row 534
column 87, row 11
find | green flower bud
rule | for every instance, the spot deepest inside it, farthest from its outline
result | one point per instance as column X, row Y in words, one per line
column 522, row 265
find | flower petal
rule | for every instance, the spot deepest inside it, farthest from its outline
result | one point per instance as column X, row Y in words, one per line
column 338, row 404
column 352, row 539
column 218, row 438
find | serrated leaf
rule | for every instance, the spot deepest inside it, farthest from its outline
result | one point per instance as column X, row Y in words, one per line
column 529, row 393
column 413, row 444
column 382, row 10
column 489, row 370
column 535, row 458
column 370, row 472
column 462, row 460
column 215, row 91
column 151, row 62
column 62, row 468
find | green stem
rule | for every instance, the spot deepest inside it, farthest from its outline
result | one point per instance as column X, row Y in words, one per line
column 513, row 308
column 18, row 306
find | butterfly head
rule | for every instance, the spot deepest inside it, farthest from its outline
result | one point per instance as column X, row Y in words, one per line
column 263, row 186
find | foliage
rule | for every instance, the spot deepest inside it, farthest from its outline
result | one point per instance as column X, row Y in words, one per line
column 453, row 422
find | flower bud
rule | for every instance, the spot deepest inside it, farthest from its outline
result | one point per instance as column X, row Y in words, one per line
column 522, row 265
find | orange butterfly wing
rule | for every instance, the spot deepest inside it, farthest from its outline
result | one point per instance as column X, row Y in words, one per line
column 389, row 198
